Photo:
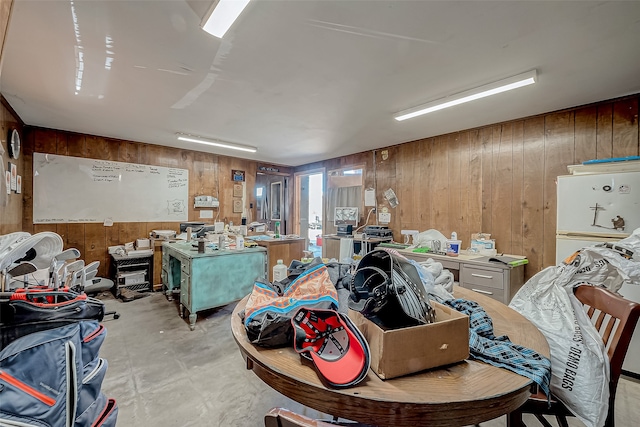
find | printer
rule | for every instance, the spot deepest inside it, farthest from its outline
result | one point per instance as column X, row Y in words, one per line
column 344, row 230
column 377, row 231
column 197, row 228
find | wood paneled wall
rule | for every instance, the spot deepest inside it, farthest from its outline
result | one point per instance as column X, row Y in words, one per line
column 498, row 179
column 11, row 205
column 209, row 174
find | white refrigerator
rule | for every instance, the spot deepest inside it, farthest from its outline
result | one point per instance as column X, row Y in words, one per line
column 600, row 208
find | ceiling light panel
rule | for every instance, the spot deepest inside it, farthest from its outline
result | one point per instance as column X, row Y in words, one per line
column 215, row 142
column 494, row 88
column 222, row 15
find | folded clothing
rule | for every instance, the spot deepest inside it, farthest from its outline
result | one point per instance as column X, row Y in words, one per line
column 337, row 348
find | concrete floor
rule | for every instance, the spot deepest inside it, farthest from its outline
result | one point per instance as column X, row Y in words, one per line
column 164, row 375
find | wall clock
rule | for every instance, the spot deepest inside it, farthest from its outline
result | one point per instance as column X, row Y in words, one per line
column 14, row 143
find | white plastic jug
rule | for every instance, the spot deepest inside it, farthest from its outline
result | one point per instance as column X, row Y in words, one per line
column 279, row 271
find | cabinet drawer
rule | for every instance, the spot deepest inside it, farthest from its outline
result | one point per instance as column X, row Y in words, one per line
column 185, row 291
column 164, row 277
column 185, row 266
column 482, row 277
column 495, row 293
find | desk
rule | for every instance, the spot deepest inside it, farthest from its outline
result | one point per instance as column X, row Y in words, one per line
column 493, row 279
column 286, row 249
column 364, row 245
column 466, row 393
column 211, row 279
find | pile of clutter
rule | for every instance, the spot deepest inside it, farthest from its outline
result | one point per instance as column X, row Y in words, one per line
column 141, row 247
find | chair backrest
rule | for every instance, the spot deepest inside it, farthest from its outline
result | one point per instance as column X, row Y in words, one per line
column 615, row 319
column 280, row 417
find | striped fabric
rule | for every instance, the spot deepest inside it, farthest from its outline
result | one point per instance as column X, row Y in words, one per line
column 500, row 351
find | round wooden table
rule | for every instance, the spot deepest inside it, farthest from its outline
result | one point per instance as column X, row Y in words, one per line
column 466, row 393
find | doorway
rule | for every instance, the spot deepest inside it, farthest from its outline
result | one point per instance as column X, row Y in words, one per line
column 272, row 201
column 309, row 208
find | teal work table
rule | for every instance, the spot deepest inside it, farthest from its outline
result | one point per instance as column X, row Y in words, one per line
column 212, row 279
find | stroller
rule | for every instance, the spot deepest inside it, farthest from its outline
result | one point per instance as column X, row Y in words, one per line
column 50, row 336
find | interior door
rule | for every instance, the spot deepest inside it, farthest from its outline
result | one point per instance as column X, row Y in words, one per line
column 303, row 207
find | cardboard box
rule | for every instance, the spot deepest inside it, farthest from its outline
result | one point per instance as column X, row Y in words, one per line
column 398, row 352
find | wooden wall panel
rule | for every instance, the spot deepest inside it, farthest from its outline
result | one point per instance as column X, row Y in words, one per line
column 559, row 152
column 385, row 179
column 585, row 133
column 440, row 186
column 407, row 188
column 604, row 131
column 464, row 229
column 517, row 195
column 502, row 185
column 454, row 191
column 426, row 176
column 475, row 183
column 625, row 128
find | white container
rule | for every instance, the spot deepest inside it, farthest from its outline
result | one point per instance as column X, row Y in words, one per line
column 453, row 247
column 239, row 242
column 143, row 243
column 279, row 271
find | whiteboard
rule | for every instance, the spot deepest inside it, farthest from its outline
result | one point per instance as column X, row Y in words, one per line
column 76, row 189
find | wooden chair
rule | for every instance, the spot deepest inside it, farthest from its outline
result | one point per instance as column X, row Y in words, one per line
column 280, row 417
column 601, row 303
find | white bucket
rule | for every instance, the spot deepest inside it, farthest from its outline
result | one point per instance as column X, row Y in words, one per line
column 453, row 247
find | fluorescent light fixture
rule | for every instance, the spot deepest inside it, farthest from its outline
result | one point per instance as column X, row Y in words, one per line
column 514, row 82
column 216, row 143
column 222, row 15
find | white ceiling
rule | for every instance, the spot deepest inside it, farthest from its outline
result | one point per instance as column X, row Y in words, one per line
column 308, row 80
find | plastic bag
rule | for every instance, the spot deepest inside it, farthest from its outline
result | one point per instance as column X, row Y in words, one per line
column 267, row 315
column 579, row 364
column 608, row 265
column 429, row 238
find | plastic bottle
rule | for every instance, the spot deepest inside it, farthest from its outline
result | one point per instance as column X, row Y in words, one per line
column 454, row 236
column 276, row 230
column 239, row 242
column 279, row 271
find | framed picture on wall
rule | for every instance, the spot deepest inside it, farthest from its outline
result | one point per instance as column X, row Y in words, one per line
column 237, row 176
column 19, row 184
column 237, row 205
column 237, row 190
column 7, row 179
column 14, row 174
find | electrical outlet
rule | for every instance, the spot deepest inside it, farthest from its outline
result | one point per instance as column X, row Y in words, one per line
column 384, row 217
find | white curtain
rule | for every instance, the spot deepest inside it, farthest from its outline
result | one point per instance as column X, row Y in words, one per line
column 343, row 197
